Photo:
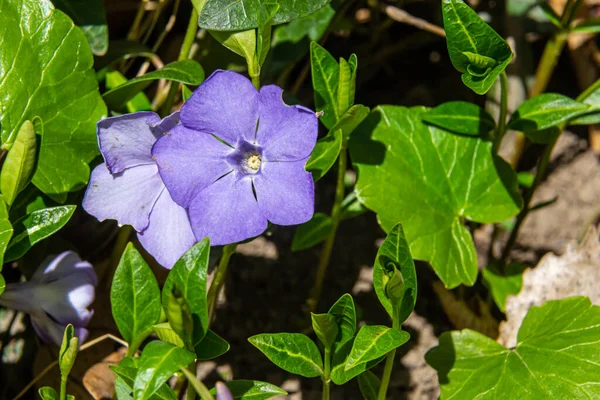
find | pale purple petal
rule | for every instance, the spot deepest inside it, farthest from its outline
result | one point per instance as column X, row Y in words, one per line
column 125, row 141
column 285, row 192
column 169, row 233
column 227, row 212
column 63, row 266
column 189, row 161
column 127, row 197
column 286, row 133
column 166, row 124
column 50, row 331
column 226, row 105
column 223, row 392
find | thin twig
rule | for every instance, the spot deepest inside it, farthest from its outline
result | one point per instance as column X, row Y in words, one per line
column 402, row 16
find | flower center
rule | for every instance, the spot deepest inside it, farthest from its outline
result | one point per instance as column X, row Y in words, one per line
column 251, row 163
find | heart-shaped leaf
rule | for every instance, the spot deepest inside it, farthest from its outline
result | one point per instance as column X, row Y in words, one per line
column 430, row 181
column 461, row 117
column 90, row 17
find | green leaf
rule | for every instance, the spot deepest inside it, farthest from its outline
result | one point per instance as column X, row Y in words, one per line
column 556, row 357
column 179, row 317
column 475, row 49
column 325, row 80
column 588, row 26
column 252, row 390
column 352, row 207
column 188, row 72
column 461, row 117
column 549, row 13
column 46, row 71
column 227, row 15
column 135, row 297
column 545, row 111
column 431, row 180
column 35, row 227
column 186, row 93
column 590, row 96
column 122, row 50
column 373, row 342
column 343, row 95
column 312, row 232
column 292, row 352
column 526, row 179
column 339, row 375
column 125, row 373
column 139, row 102
column 263, row 35
column 242, row 43
column 68, row 351
column 502, row 285
column 6, row 231
column 395, row 254
column 47, row 393
column 351, row 119
column 189, row 276
column 211, row 346
column 19, row 163
column 90, row 17
column 312, row 26
column 368, row 384
column 166, row 333
column 345, row 313
column 2, row 284
column 325, row 327
column 158, row 362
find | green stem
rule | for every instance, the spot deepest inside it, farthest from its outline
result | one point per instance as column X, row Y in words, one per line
column 326, row 374
column 219, row 280
column 501, row 130
column 63, row 387
column 336, row 217
column 191, row 394
column 184, row 54
column 256, row 81
column 389, row 365
column 198, row 386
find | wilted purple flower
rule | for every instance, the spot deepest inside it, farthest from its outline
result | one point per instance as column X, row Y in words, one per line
column 129, row 188
column 223, row 392
column 58, row 294
column 237, row 159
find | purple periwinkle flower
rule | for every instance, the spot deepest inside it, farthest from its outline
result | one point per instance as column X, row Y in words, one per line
column 58, row 294
column 223, row 392
column 128, row 187
column 236, row 160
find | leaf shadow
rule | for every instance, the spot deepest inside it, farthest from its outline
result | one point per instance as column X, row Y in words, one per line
column 363, row 148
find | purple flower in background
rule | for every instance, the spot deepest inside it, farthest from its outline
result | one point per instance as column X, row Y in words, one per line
column 237, row 159
column 58, row 294
column 129, row 188
column 223, row 392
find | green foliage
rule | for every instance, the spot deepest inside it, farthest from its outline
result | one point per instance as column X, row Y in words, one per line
column 345, row 313
column 242, row 389
column 312, row 232
column 20, row 162
column 432, row 185
column 292, row 352
column 184, row 71
column 502, row 285
column 139, row 102
column 373, row 342
column 325, row 154
column 326, row 328
column 545, row 111
column 475, row 49
column 180, row 317
column 158, row 362
column 211, row 346
column 461, row 117
column 36, row 227
column 6, row 231
column 47, row 393
column 339, row 374
column 368, row 384
column 90, row 17
column 30, row 70
column 125, row 373
column 556, row 357
column 68, row 351
column 135, row 297
column 312, row 26
column 227, row 15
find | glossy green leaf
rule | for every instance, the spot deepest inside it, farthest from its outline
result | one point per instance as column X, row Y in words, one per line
column 590, row 96
column 312, row 232
column 345, row 313
column 135, row 297
column 502, row 285
column 545, row 111
column 166, row 333
column 430, row 181
column 158, row 362
column 242, row 389
column 90, row 17
column 186, row 93
column 180, row 317
column 35, row 227
column 557, row 356
column 242, row 43
column 395, row 254
column 325, row 80
column 211, row 346
column 351, row 119
column 368, row 384
column 475, row 49
column 266, row 14
column 461, row 117
column 19, row 163
column 325, row 154
column 2, row 284
column 48, row 393
column 46, row 71
column 68, row 351
column 339, row 375
column 352, row 207
column 292, row 352
column 312, row 26
column 343, row 94
column 139, row 102
column 227, row 15
column 189, row 276
column 6, row 231
column 188, row 72
column 326, row 328
column 372, row 342
column 125, row 373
